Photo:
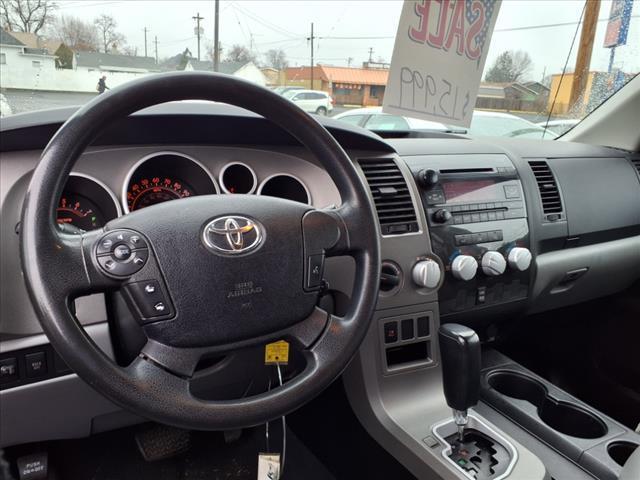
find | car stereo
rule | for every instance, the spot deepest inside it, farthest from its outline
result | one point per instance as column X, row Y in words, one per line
column 478, row 226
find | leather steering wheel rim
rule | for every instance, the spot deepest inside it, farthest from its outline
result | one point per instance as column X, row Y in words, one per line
column 58, row 267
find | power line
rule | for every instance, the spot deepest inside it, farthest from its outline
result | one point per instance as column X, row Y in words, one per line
column 265, row 23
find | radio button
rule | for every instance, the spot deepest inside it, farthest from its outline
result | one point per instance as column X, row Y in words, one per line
column 493, row 264
column 441, row 216
column 491, row 216
column 511, row 191
column 475, row 217
column 464, row 267
column 500, row 215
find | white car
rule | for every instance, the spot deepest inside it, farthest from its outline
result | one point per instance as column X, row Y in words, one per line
column 5, row 108
column 559, row 126
column 498, row 124
column 372, row 118
column 312, row 101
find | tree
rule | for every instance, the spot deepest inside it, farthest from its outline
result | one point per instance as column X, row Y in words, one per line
column 239, row 53
column 107, row 34
column 74, row 33
column 130, row 51
column 510, row 66
column 277, row 59
column 26, row 15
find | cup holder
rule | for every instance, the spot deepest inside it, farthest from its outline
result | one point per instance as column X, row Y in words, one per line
column 621, row 451
column 562, row 416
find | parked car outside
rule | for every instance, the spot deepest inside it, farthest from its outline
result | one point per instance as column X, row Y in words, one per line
column 372, row 118
column 312, row 101
column 283, row 90
column 559, row 126
column 5, row 108
column 498, row 124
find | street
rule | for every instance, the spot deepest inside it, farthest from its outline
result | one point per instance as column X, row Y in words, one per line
column 29, row 100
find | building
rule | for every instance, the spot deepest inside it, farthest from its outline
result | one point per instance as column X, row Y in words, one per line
column 512, row 96
column 111, row 63
column 598, row 87
column 185, row 61
column 18, row 62
column 273, row 76
column 347, row 85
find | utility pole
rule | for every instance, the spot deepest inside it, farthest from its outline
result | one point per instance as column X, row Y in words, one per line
column 197, row 18
column 145, row 40
column 370, row 54
column 583, row 61
column 156, row 42
column 311, row 38
column 216, row 34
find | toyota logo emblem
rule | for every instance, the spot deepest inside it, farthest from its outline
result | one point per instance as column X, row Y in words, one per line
column 232, row 235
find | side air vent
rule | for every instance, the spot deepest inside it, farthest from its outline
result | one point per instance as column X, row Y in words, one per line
column 549, row 194
column 636, row 163
column 391, row 196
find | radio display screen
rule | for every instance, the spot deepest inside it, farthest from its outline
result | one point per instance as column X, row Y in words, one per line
column 469, row 190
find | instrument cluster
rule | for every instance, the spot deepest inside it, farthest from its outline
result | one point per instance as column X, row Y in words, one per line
column 88, row 204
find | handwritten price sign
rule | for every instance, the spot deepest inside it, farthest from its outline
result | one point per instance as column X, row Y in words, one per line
column 440, row 50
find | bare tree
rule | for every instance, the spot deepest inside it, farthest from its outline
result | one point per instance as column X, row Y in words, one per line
column 239, row 53
column 26, row 15
column 277, row 59
column 130, row 51
column 109, row 38
column 522, row 65
column 74, row 33
column 510, row 66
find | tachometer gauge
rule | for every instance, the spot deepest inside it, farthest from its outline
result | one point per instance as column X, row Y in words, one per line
column 79, row 212
column 149, row 191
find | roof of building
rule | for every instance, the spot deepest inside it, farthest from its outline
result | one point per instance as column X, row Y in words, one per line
column 358, row 76
column 28, row 39
column 7, row 38
column 223, row 67
column 99, row 60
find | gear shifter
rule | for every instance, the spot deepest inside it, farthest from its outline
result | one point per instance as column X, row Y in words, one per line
column 460, row 357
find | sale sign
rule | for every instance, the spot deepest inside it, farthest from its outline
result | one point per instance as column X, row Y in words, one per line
column 438, row 58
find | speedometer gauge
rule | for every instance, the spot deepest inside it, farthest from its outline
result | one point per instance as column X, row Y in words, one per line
column 79, row 212
column 149, row 191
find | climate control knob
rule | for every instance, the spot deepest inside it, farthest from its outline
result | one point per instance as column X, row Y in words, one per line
column 426, row 273
column 519, row 258
column 493, row 264
column 464, row 267
column 428, row 178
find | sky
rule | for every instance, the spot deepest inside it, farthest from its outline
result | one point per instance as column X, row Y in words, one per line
column 346, row 30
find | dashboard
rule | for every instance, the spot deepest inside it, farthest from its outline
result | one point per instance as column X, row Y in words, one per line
column 472, row 230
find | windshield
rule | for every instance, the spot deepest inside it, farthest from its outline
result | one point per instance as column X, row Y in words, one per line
column 65, row 52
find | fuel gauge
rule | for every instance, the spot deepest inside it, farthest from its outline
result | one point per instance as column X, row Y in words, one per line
column 79, row 211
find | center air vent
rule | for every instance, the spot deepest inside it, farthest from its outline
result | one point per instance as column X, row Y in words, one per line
column 549, row 193
column 391, row 195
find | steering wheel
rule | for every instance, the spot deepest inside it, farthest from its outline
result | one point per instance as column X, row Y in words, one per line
column 205, row 275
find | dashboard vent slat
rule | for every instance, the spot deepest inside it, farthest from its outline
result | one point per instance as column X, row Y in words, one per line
column 391, row 196
column 636, row 163
column 547, row 186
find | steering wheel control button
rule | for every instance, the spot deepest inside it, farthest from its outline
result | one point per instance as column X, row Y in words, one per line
column 122, row 253
column 149, row 299
column 314, row 271
column 36, row 364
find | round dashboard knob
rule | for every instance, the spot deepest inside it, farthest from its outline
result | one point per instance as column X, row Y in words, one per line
column 441, row 215
column 519, row 258
column 493, row 264
column 426, row 273
column 464, row 267
column 428, row 177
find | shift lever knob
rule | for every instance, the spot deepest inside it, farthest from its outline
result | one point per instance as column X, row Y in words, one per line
column 460, row 357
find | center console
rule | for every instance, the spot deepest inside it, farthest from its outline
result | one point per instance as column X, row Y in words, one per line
column 477, row 221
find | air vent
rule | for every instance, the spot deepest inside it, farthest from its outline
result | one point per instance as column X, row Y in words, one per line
column 636, row 163
column 391, row 195
column 549, row 194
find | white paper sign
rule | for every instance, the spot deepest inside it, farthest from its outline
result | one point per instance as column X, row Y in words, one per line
column 440, row 50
